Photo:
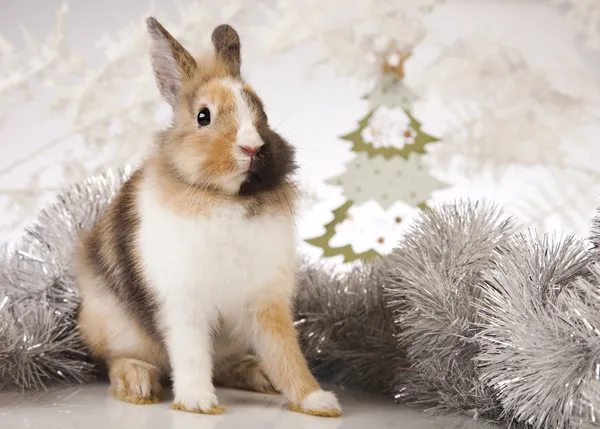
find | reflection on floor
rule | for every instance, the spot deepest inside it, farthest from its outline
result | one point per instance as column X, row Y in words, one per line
column 91, row 407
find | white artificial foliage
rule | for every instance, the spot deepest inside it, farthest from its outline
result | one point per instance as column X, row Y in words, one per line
column 508, row 120
column 46, row 63
column 25, row 73
column 585, row 19
column 505, row 113
column 357, row 40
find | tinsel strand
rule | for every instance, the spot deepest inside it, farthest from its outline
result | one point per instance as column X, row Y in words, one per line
column 536, row 349
column 432, row 288
column 346, row 329
column 39, row 342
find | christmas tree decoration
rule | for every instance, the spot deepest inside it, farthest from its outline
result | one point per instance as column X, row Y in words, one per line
column 388, row 168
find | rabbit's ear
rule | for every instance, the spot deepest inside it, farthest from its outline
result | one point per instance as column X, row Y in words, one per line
column 172, row 64
column 227, row 48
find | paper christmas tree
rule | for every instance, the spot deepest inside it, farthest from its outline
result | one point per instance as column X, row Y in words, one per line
column 388, row 171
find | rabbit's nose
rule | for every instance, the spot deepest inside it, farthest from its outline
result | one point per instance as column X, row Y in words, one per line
column 250, row 151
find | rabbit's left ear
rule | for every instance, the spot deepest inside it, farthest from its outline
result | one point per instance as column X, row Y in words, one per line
column 172, row 63
column 227, row 48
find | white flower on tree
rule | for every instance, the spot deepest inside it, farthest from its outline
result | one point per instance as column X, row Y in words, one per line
column 389, row 127
column 368, row 226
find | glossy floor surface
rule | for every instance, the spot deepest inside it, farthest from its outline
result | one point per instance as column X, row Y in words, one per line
column 91, row 407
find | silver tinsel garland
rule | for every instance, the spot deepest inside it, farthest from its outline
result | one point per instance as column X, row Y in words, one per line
column 346, row 329
column 39, row 343
column 595, row 235
column 465, row 315
column 538, row 331
column 433, row 287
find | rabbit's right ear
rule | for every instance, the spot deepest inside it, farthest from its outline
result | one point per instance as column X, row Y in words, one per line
column 172, row 64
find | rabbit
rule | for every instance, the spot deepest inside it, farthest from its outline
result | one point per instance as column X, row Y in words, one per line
column 190, row 272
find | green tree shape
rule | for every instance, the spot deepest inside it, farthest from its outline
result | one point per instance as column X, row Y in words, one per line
column 359, row 145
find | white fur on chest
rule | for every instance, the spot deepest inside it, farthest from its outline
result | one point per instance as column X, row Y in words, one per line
column 217, row 261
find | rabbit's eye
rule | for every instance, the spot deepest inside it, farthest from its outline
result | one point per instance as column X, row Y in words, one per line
column 204, row 117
